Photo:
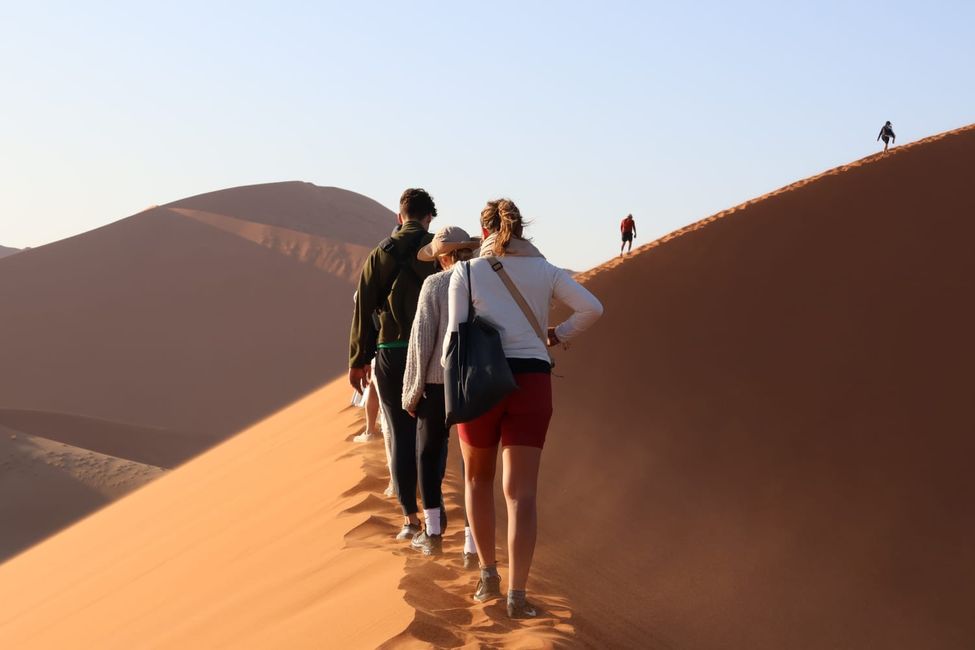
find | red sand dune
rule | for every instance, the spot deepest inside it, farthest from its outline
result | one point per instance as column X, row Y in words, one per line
column 154, row 337
column 45, row 485
column 153, row 446
column 5, row 251
column 765, row 443
column 165, row 320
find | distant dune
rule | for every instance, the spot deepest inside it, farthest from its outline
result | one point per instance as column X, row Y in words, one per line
column 765, row 443
column 172, row 321
column 44, row 485
column 156, row 336
column 5, row 251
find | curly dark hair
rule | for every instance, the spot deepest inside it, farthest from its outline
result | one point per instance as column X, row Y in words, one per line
column 416, row 204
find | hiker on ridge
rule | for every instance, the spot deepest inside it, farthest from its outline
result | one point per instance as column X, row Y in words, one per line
column 519, row 422
column 423, row 386
column 628, row 230
column 887, row 133
column 389, row 286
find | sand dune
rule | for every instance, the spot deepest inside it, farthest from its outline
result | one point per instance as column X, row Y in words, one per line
column 765, row 443
column 161, row 320
column 351, row 218
column 341, row 259
column 154, row 337
column 6, row 251
column 774, row 420
column 148, row 445
column 194, row 563
column 45, row 485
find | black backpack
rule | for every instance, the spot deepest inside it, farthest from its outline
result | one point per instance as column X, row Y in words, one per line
column 402, row 260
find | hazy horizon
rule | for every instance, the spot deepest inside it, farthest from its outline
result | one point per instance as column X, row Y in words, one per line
column 579, row 114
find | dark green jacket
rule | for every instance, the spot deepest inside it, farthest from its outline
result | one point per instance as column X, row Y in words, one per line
column 398, row 308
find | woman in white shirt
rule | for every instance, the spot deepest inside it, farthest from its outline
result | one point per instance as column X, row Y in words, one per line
column 519, row 423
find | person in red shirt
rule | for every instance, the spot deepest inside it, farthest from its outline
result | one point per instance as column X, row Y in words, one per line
column 628, row 229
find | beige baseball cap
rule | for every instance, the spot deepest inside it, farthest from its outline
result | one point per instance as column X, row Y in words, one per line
column 446, row 240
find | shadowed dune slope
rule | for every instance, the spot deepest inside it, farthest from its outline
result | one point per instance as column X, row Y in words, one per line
column 44, row 485
column 154, row 337
column 162, row 320
column 160, row 447
column 5, row 251
column 767, row 440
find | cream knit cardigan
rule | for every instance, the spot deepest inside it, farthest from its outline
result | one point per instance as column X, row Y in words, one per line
column 426, row 339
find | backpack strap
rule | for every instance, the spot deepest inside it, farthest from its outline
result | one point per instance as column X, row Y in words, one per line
column 388, row 246
column 498, row 268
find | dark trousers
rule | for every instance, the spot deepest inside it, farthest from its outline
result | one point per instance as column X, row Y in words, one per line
column 390, row 367
column 432, row 435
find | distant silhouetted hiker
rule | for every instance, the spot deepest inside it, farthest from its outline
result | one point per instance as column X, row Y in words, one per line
column 887, row 133
column 389, row 286
column 628, row 230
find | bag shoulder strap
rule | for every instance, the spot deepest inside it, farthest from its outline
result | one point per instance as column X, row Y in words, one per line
column 498, row 268
column 470, row 293
column 402, row 260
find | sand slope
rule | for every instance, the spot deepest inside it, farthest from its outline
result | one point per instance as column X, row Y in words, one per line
column 774, row 421
column 241, row 547
column 6, row 251
column 44, row 485
column 149, row 445
column 167, row 321
column 154, row 337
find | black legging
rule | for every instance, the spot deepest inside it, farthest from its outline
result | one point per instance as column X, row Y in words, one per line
column 432, row 435
column 390, row 367
column 415, row 442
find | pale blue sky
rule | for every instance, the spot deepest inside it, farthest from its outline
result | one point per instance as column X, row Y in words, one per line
column 579, row 112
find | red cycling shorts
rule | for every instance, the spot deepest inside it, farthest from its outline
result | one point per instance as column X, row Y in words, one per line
column 521, row 418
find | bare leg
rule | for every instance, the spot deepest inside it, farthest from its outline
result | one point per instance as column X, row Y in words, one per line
column 480, row 465
column 372, row 410
column 520, row 468
column 387, row 441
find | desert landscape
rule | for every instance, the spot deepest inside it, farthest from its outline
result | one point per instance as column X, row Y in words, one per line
column 6, row 250
column 155, row 337
column 765, row 442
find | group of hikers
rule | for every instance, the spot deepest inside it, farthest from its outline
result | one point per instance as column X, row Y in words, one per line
column 416, row 293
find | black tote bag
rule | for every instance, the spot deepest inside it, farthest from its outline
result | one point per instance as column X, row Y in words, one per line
column 477, row 375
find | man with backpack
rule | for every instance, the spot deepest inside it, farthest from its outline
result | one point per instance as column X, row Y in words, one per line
column 388, row 291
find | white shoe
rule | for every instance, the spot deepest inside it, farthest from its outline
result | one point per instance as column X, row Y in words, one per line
column 390, row 490
column 366, row 436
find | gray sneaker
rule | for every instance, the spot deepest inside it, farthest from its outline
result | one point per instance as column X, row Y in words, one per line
column 428, row 544
column 521, row 609
column 488, row 588
column 408, row 531
column 471, row 561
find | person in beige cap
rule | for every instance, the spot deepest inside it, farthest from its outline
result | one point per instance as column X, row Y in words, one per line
column 423, row 393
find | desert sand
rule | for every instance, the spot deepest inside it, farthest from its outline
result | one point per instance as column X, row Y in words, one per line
column 6, row 250
column 154, row 337
column 765, row 443
column 44, row 485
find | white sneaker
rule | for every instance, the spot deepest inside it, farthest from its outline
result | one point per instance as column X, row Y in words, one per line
column 366, row 436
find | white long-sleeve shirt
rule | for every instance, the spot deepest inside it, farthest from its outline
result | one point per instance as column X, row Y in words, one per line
column 539, row 281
